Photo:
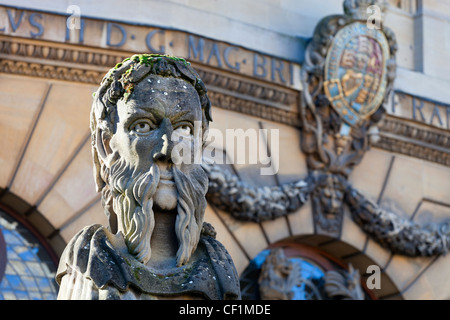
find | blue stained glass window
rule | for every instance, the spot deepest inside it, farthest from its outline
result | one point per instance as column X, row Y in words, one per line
column 313, row 281
column 310, row 288
column 29, row 272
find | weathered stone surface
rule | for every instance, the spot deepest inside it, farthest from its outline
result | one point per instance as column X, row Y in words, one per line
column 147, row 124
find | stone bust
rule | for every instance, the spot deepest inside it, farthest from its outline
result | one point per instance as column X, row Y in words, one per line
column 157, row 246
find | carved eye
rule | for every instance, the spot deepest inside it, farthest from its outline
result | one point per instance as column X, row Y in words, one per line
column 185, row 129
column 141, row 127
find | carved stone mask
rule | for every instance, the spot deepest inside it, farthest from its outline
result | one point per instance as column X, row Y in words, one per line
column 331, row 194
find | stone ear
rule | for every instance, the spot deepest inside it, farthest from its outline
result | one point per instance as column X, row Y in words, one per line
column 104, row 151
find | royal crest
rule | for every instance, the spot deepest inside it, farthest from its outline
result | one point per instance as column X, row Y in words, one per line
column 356, row 72
column 347, row 76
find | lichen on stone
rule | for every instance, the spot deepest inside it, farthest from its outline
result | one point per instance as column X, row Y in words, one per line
column 149, row 59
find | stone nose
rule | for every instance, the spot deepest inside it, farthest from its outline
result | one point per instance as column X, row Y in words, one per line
column 163, row 150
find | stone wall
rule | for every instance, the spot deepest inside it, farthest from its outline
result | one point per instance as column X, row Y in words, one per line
column 45, row 154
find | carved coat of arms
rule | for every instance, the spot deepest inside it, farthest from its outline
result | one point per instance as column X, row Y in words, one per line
column 356, row 72
column 348, row 73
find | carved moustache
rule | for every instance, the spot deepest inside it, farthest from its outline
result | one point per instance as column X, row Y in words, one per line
column 133, row 192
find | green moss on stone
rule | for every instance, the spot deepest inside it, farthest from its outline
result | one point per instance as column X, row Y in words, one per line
column 149, row 59
column 136, row 271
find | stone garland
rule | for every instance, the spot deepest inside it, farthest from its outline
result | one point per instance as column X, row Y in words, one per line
column 245, row 202
column 399, row 235
column 248, row 203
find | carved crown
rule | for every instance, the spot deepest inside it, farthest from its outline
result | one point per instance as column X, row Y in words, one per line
column 360, row 9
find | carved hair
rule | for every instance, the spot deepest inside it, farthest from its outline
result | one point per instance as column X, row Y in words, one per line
column 131, row 195
column 191, row 205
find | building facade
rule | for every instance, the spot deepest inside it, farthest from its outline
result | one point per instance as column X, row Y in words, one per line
column 375, row 224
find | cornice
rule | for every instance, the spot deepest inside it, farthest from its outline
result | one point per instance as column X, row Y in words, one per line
column 88, row 65
column 415, row 140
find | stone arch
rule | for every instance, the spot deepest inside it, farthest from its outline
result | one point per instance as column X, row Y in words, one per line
column 34, row 221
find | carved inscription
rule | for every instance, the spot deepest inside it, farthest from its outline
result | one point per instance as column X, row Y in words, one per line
column 427, row 111
column 132, row 38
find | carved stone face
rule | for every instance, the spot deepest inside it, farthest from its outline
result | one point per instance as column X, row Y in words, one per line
column 331, row 195
column 332, row 200
column 160, row 112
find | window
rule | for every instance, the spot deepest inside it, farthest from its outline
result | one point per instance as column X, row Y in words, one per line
column 26, row 270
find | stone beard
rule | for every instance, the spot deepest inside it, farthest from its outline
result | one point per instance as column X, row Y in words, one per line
column 133, row 193
column 145, row 123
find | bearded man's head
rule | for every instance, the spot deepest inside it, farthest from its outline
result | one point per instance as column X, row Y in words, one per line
column 148, row 111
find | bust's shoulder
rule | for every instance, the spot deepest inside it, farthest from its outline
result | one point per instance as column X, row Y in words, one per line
column 222, row 264
column 79, row 243
column 84, row 235
column 102, row 257
column 96, row 253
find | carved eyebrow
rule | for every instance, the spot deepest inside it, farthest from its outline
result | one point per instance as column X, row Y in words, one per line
column 178, row 115
column 139, row 113
column 155, row 116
